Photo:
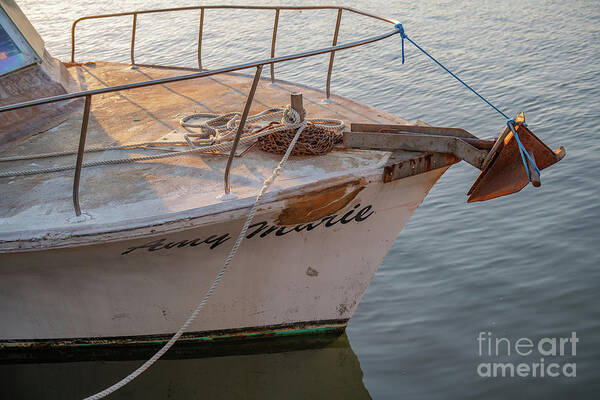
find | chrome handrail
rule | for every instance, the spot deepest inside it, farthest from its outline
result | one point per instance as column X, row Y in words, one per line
column 234, row 7
column 257, row 64
column 194, row 75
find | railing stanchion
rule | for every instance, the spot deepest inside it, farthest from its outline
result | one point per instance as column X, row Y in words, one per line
column 82, row 136
column 73, row 41
column 236, row 140
column 200, row 29
column 275, row 26
column 133, row 28
column 332, row 55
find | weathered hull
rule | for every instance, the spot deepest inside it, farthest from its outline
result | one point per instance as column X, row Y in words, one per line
column 289, row 276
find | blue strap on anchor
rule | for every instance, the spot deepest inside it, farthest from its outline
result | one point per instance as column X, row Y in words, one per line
column 524, row 153
column 509, row 122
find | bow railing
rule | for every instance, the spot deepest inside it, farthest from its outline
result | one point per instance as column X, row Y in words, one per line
column 271, row 61
column 276, row 9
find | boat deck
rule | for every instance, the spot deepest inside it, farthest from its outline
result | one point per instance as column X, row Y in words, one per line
column 31, row 206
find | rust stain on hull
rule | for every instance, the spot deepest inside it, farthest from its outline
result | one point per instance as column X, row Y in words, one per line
column 312, row 206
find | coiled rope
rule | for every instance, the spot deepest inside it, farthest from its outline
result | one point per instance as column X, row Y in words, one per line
column 217, row 135
column 294, row 123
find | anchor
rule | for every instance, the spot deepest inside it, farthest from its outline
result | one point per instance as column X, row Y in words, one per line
column 506, row 170
column 506, row 166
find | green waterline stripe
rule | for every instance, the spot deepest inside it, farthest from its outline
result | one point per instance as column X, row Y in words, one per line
column 287, row 332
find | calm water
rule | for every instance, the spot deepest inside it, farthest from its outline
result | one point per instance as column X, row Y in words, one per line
column 520, row 266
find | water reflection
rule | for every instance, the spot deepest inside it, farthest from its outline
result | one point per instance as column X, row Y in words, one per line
column 322, row 369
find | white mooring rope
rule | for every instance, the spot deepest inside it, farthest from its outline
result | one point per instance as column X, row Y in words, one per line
column 217, row 135
column 292, row 120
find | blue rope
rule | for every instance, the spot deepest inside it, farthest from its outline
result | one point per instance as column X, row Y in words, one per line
column 403, row 35
column 510, row 122
column 524, row 153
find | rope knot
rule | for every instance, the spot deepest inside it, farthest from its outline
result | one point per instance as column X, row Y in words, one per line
column 401, row 31
column 403, row 36
column 514, row 123
column 291, row 118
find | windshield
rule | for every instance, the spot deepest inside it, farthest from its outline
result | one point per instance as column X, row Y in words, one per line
column 13, row 56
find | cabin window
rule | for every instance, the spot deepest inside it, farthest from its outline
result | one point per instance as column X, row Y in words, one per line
column 15, row 52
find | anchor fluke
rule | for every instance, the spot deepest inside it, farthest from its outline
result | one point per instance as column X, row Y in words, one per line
column 504, row 170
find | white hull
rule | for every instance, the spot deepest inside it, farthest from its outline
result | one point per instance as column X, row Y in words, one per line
column 149, row 285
